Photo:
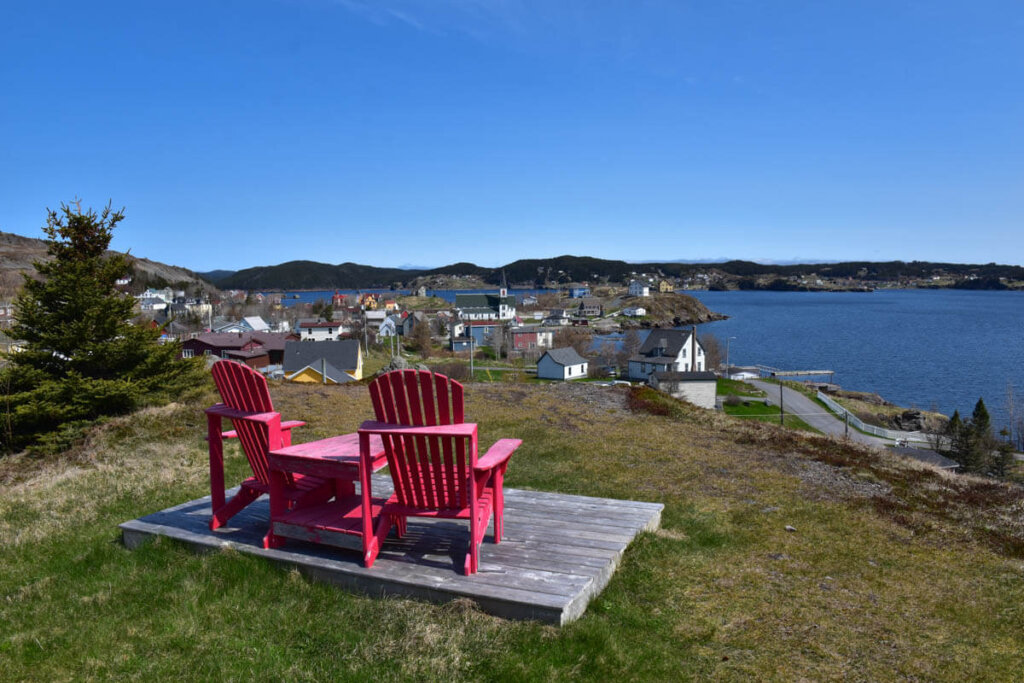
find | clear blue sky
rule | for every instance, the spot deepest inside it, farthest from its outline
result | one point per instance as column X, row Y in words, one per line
column 425, row 132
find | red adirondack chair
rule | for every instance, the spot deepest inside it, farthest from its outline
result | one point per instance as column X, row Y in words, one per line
column 259, row 429
column 432, row 456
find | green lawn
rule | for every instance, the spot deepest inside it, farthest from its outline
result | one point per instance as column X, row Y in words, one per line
column 893, row 571
column 765, row 413
column 734, row 387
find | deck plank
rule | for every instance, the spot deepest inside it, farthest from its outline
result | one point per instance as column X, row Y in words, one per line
column 557, row 553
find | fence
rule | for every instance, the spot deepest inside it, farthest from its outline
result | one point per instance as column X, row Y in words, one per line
column 895, row 435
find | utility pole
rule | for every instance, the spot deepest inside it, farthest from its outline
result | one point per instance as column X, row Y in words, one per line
column 471, row 340
column 782, row 413
column 727, row 366
column 846, row 434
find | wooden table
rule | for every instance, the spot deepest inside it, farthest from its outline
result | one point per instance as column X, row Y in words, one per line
column 347, row 521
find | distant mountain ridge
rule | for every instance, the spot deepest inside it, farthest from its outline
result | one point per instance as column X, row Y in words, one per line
column 563, row 269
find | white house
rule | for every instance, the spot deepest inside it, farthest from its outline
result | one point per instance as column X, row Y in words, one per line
column 637, row 288
column 634, row 311
column 498, row 306
column 699, row 388
column 562, row 364
column 667, row 351
column 319, row 330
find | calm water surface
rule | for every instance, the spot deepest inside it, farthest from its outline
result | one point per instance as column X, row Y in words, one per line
column 924, row 348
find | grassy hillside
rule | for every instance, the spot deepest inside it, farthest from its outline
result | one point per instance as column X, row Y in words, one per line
column 893, row 571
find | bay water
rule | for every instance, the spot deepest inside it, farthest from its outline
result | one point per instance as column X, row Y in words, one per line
column 931, row 349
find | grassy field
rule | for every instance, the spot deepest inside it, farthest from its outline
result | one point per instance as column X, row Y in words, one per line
column 893, row 571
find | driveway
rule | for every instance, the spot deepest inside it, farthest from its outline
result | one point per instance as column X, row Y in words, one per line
column 795, row 403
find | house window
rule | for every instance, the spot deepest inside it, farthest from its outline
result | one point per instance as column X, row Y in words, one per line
column 186, row 353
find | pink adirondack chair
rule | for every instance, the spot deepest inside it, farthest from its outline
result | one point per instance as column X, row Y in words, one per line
column 432, row 456
column 259, row 429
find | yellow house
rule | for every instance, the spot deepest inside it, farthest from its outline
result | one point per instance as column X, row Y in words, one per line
column 665, row 286
column 323, row 362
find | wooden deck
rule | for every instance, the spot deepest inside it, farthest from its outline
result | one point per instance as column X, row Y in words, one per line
column 558, row 551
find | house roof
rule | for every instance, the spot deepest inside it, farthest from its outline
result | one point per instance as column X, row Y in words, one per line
column 565, row 356
column 488, row 301
column 270, row 341
column 257, row 323
column 685, row 376
column 332, row 373
column 317, row 323
column 673, row 342
column 342, row 354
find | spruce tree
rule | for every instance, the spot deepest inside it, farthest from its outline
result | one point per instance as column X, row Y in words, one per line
column 81, row 357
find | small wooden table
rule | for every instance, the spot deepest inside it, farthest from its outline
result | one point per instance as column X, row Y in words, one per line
column 348, row 520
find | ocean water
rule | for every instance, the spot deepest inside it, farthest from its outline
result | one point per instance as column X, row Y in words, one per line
column 941, row 349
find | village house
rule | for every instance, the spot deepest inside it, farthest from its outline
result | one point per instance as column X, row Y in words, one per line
column 590, row 307
column 526, row 338
column 562, row 364
column 410, row 321
column 329, row 362
column 252, row 323
column 556, row 317
column 256, row 349
column 665, row 287
column 637, row 288
column 498, row 306
column 579, row 292
column 667, row 350
column 374, row 318
column 634, row 311
column 391, row 327
column 319, row 330
column 698, row 388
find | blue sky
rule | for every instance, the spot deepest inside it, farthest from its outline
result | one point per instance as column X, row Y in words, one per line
column 426, row 132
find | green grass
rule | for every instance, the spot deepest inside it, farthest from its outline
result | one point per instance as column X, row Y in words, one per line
column 734, row 387
column 759, row 411
column 894, row 570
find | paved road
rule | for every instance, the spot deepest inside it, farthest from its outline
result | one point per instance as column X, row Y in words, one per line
column 813, row 414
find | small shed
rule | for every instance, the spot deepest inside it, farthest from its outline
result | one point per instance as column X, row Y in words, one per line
column 562, row 364
column 699, row 388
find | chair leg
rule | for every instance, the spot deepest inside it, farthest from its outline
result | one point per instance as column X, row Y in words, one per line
column 399, row 523
column 499, row 505
column 222, row 514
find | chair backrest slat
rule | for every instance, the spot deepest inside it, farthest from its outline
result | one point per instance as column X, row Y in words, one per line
column 242, row 388
column 427, row 472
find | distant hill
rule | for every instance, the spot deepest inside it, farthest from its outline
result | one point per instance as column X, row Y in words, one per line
column 561, row 270
column 215, row 276
column 17, row 254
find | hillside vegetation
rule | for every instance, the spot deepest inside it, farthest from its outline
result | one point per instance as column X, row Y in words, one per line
column 18, row 253
column 891, row 570
column 561, row 270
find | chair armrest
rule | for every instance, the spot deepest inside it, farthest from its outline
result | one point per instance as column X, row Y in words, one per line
column 463, row 429
column 223, row 411
column 497, row 454
column 284, row 426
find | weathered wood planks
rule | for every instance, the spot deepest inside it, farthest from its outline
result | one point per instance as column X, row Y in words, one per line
column 558, row 551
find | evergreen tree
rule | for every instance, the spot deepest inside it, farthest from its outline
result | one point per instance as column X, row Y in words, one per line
column 81, row 357
column 1003, row 459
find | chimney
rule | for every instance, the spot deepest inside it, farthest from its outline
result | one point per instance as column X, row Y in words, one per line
column 693, row 349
